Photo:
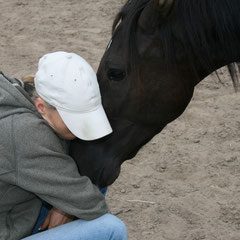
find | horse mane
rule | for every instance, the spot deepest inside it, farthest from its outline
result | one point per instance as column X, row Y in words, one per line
column 189, row 27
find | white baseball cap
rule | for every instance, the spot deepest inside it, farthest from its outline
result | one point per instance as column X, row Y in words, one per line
column 67, row 82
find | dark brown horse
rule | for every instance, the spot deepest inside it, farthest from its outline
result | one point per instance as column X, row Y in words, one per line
column 160, row 50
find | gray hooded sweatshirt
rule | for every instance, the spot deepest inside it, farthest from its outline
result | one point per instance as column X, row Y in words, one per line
column 34, row 165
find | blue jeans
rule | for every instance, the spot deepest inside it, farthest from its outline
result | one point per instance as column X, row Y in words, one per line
column 46, row 208
column 42, row 216
column 106, row 227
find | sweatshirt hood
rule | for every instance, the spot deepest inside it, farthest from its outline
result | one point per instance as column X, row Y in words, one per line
column 13, row 98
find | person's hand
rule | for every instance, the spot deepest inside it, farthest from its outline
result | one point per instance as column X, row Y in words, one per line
column 56, row 218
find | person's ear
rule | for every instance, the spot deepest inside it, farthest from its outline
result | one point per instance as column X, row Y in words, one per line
column 40, row 105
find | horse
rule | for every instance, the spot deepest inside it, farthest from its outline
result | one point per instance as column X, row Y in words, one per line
column 159, row 51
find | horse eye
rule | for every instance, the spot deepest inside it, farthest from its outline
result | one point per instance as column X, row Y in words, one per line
column 115, row 74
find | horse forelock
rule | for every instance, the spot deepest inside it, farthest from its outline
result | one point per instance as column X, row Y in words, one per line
column 189, row 18
column 129, row 10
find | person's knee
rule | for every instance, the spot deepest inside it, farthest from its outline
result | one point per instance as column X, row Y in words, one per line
column 115, row 227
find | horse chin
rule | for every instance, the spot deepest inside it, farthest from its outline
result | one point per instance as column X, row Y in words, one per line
column 101, row 160
column 108, row 176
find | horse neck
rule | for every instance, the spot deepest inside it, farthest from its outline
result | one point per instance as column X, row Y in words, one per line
column 219, row 58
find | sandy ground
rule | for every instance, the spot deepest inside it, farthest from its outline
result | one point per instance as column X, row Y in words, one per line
column 184, row 184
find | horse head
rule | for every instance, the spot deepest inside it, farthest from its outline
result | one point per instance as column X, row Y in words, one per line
column 146, row 77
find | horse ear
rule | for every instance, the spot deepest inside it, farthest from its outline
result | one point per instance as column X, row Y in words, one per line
column 154, row 13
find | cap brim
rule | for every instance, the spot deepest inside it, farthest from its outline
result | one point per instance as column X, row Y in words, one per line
column 87, row 126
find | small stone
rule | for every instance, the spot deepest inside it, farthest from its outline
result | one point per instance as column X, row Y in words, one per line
column 128, row 210
column 123, row 191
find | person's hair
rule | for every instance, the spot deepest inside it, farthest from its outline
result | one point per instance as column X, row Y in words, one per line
column 30, row 89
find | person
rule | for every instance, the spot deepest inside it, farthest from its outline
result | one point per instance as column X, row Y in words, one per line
column 35, row 168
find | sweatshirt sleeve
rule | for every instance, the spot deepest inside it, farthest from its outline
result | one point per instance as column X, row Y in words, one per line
column 44, row 169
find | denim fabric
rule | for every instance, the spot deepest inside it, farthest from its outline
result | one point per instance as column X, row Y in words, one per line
column 106, row 227
column 44, row 212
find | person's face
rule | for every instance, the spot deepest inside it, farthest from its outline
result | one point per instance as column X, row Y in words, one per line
column 53, row 118
column 55, row 121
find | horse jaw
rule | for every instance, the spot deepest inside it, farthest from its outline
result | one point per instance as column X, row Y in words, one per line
column 101, row 160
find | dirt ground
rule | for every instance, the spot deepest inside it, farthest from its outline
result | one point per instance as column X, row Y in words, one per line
column 185, row 183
